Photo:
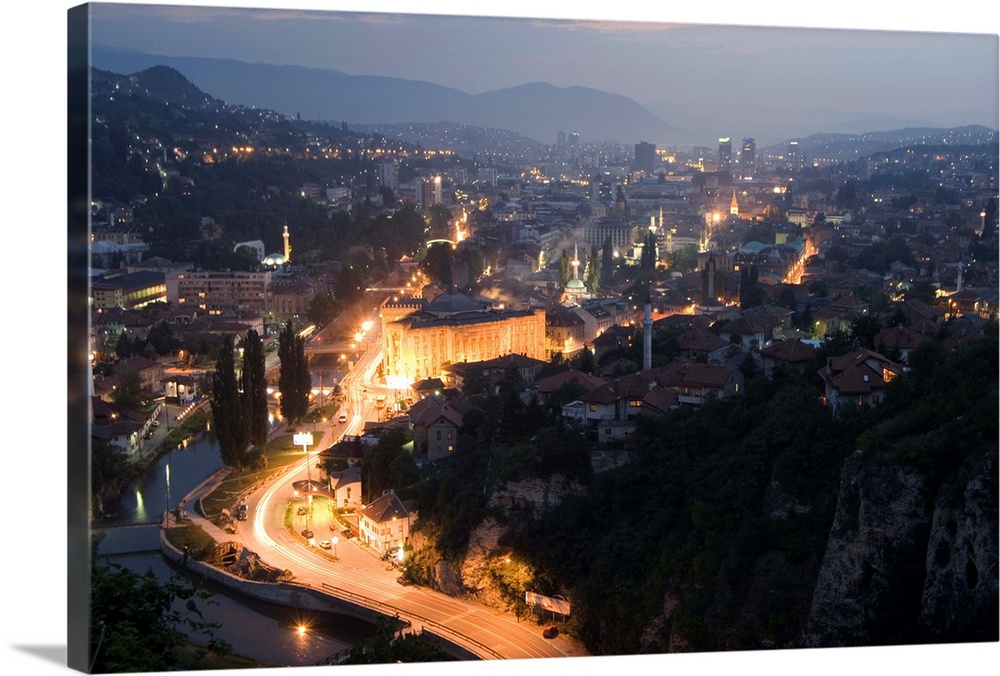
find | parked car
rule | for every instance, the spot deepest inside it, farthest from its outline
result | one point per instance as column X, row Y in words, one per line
column 241, row 513
column 550, row 632
column 342, row 418
column 301, row 511
column 347, row 533
column 325, row 544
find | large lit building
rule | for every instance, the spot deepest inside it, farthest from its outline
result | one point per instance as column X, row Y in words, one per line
column 420, row 338
column 430, row 192
column 219, row 292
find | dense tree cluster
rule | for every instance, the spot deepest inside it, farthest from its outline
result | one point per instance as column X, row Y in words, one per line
column 239, row 402
column 294, row 381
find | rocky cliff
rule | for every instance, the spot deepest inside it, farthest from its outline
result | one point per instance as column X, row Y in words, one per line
column 906, row 563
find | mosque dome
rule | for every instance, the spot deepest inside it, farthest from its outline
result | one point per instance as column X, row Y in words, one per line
column 450, row 303
column 274, row 260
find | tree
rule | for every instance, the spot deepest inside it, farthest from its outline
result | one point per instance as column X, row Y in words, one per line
column 136, row 626
column 228, row 409
column 607, row 260
column 254, row 393
column 564, row 270
column 593, row 280
column 293, row 378
column 128, row 395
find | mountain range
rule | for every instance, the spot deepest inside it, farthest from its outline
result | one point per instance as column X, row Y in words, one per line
column 537, row 110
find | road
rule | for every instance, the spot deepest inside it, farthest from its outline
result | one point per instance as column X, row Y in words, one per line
column 355, row 571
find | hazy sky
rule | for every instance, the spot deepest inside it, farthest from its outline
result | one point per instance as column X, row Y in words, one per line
column 744, row 80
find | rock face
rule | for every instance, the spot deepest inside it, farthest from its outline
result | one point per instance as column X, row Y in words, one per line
column 471, row 575
column 960, row 590
column 903, row 565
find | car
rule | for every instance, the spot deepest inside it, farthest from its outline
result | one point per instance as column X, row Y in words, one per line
column 342, row 418
column 149, row 434
column 550, row 631
column 307, row 534
column 403, row 581
column 301, row 511
column 347, row 533
column 156, row 423
column 325, row 544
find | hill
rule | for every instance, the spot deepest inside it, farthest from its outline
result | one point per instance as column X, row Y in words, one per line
column 536, row 110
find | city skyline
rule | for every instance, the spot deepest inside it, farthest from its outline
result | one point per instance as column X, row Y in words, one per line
column 771, row 83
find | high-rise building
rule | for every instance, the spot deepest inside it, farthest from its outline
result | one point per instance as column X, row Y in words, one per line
column 645, row 158
column 747, row 156
column 794, row 159
column 725, row 153
column 388, row 175
column 430, row 192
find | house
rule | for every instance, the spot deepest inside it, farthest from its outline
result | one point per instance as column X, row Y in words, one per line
column 858, row 378
column 435, row 427
column 750, row 330
column 150, row 373
column 385, row 523
column 495, row 369
column 701, row 383
column 900, row 341
column 345, row 487
column 551, row 384
column 619, row 399
column 793, row 353
column 614, row 338
column 697, row 343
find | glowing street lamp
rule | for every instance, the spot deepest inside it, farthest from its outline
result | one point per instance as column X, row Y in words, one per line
column 305, row 439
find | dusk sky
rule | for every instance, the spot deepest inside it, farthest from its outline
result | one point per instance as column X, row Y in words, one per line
column 735, row 80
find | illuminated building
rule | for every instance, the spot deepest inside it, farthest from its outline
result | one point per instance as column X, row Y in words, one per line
column 747, row 157
column 725, row 153
column 219, row 292
column 430, row 192
column 420, row 338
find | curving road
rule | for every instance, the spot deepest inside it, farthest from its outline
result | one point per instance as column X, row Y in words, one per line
column 355, row 572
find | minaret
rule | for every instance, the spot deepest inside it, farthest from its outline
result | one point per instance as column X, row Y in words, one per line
column 647, row 335
column 288, row 248
column 576, row 261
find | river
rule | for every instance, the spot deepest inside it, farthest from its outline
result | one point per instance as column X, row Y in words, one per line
column 265, row 632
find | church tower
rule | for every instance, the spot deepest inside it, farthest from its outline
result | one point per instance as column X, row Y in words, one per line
column 734, row 207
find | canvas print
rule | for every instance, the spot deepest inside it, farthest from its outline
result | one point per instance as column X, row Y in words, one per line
column 412, row 338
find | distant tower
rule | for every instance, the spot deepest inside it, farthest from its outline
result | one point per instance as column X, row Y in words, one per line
column 734, row 206
column 288, row 247
column 645, row 158
column 748, row 157
column 725, row 153
column 647, row 334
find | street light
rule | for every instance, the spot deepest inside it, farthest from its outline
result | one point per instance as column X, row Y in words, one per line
column 335, row 540
column 305, row 439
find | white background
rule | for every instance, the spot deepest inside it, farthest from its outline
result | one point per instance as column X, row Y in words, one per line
column 34, row 307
